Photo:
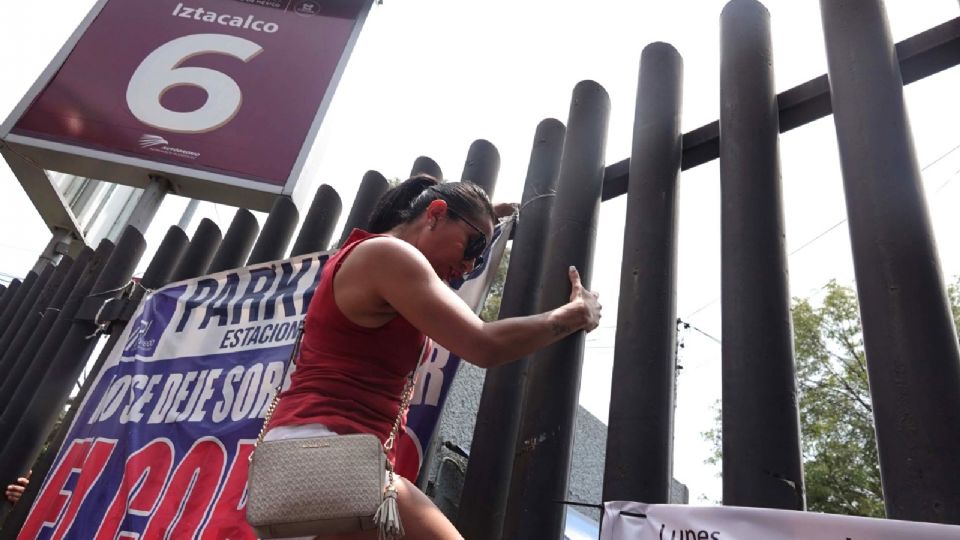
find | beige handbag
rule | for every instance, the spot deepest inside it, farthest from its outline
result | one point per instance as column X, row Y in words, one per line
column 323, row 485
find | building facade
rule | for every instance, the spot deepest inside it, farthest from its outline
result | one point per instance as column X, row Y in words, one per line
column 446, row 460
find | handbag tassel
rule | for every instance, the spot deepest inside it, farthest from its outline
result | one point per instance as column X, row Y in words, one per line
column 387, row 517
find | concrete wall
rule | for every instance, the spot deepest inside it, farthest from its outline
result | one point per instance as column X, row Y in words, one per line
column 444, row 468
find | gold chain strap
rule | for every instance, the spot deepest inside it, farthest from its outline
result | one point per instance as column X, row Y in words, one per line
column 276, row 395
column 404, row 405
column 266, row 419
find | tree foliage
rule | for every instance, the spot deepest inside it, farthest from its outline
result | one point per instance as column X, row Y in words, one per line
column 841, row 469
column 491, row 308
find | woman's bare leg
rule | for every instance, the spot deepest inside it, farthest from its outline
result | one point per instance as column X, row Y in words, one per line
column 422, row 520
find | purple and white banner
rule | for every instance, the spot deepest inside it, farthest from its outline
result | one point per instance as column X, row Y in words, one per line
column 159, row 447
column 637, row 521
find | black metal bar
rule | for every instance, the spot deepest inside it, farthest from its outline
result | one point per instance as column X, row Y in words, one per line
column 11, row 351
column 9, row 331
column 482, row 165
column 171, row 250
column 27, row 386
column 199, row 254
column 759, row 378
column 542, row 462
column 277, row 231
column 913, row 361
column 17, row 301
column 39, row 417
column 237, row 242
column 15, row 377
column 371, row 188
column 9, row 294
column 633, row 514
column 319, row 223
column 425, row 165
column 639, row 456
column 483, row 503
column 156, row 276
column 582, row 504
column 919, row 56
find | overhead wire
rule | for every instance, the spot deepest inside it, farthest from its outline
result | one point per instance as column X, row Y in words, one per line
column 684, row 325
column 822, row 234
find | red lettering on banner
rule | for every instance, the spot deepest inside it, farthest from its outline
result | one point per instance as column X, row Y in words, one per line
column 83, row 457
column 229, row 516
column 190, row 492
column 154, row 462
column 93, row 467
column 408, row 456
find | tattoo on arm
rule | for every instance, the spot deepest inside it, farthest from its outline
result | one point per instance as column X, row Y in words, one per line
column 560, row 329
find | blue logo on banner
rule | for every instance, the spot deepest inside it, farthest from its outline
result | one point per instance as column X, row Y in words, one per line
column 151, row 323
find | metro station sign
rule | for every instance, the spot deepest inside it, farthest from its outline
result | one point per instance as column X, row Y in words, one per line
column 224, row 97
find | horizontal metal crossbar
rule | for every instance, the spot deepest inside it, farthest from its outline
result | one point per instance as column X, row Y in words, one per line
column 922, row 55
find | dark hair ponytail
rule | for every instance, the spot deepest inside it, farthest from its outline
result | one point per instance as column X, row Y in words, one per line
column 392, row 204
column 407, row 200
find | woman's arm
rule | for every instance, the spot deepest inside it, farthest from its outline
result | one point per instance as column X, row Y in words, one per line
column 402, row 277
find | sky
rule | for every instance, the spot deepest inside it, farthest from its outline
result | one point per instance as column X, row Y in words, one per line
column 428, row 77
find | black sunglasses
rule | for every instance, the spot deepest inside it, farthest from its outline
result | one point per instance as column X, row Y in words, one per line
column 476, row 245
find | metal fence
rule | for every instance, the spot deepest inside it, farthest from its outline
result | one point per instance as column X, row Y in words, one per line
column 523, row 438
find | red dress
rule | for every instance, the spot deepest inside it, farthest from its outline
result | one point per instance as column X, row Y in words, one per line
column 348, row 377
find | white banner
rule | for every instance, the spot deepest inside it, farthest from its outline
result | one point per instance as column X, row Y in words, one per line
column 637, row 521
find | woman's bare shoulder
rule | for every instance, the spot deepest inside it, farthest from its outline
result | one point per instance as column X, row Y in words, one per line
column 387, row 246
column 389, row 253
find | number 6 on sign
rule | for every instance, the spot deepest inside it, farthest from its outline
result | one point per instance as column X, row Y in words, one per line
column 160, row 72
